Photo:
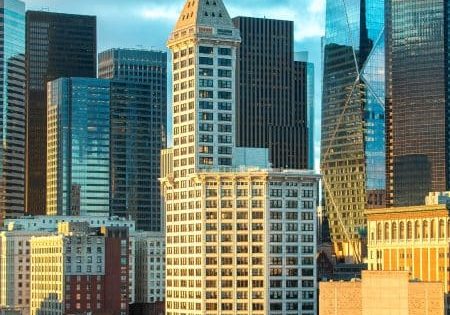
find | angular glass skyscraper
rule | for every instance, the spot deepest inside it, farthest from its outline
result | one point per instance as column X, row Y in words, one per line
column 417, row 105
column 12, row 107
column 78, row 147
column 353, row 133
column 138, row 132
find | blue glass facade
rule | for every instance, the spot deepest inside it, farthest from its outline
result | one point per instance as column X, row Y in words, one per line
column 138, row 132
column 12, row 107
column 353, row 132
column 78, row 147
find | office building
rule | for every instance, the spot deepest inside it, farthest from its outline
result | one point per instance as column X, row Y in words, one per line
column 57, row 45
column 79, row 270
column 414, row 238
column 138, row 132
column 78, row 167
column 353, row 122
column 271, row 92
column 15, row 269
column 381, row 293
column 12, row 99
column 240, row 236
column 417, row 100
column 150, row 271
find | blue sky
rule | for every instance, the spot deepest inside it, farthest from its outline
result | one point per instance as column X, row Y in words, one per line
column 147, row 23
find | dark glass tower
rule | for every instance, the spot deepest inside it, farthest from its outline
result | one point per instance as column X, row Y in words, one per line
column 57, row 45
column 138, row 132
column 353, row 132
column 12, row 107
column 417, row 99
column 271, row 92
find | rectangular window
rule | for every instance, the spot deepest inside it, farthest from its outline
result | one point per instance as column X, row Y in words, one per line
column 224, row 62
column 224, row 161
column 224, row 95
column 224, row 128
column 224, row 73
column 205, row 72
column 206, row 149
column 206, row 105
column 206, row 138
column 225, row 150
column 224, row 106
column 206, row 83
column 206, row 61
column 206, row 160
column 223, row 84
column 225, row 51
column 225, row 139
column 225, row 117
column 205, row 94
column 206, row 116
column 206, row 50
column 206, row 127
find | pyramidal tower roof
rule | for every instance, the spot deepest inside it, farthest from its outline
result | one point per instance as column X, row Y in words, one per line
column 208, row 18
column 204, row 13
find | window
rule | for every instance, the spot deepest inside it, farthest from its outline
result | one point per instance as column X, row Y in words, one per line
column 223, row 62
column 224, row 84
column 206, row 127
column 224, row 95
column 225, row 51
column 206, row 160
column 206, row 138
column 206, row 83
column 206, row 105
column 206, row 50
column 205, row 72
column 206, row 116
column 225, row 150
column 205, row 149
column 224, row 106
column 222, row 73
column 225, row 161
column 225, row 117
column 206, row 61
column 205, row 94
column 224, row 128
column 225, row 139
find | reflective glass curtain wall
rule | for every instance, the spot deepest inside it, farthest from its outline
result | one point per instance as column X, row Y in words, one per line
column 12, row 107
column 78, row 147
column 353, row 133
column 138, row 132
column 417, row 98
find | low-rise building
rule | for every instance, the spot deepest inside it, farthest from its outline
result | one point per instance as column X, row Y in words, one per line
column 381, row 293
column 79, row 269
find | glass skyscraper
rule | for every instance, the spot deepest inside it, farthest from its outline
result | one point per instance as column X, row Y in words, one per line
column 353, row 133
column 417, row 99
column 57, row 45
column 138, row 132
column 12, row 107
column 78, row 146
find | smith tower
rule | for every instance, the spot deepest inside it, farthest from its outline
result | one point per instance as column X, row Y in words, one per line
column 353, row 133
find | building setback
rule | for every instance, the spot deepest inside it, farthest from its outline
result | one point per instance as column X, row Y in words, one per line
column 78, row 172
column 57, row 45
column 138, row 132
column 271, row 89
column 12, row 104
column 417, row 100
column 353, row 122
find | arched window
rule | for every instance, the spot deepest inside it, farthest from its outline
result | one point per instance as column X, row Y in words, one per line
column 425, row 233
column 409, row 230
column 394, row 231
column 386, row 231
column 441, row 228
column 379, row 231
column 432, row 229
column 416, row 229
column 402, row 231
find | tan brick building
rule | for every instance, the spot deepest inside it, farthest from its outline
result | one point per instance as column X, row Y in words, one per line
column 381, row 293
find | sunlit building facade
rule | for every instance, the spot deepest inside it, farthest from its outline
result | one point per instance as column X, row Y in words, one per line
column 353, row 132
column 240, row 236
column 12, row 104
column 78, row 147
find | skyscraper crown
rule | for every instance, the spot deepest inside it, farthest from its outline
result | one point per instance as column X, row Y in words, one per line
column 204, row 13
